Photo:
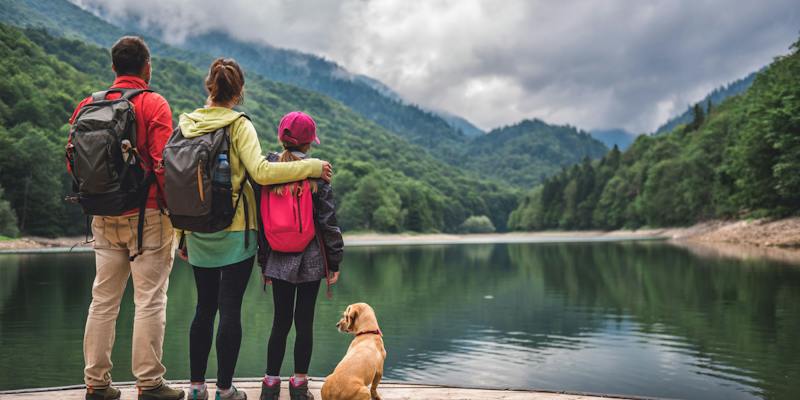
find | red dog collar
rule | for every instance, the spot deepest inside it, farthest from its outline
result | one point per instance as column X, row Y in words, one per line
column 375, row 332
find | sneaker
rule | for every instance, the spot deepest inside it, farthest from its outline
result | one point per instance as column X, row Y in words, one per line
column 234, row 394
column 299, row 392
column 107, row 393
column 270, row 392
column 161, row 392
column 196, row 394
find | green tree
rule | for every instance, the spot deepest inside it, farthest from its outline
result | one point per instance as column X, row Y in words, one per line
column 8, row 220
column 477, row 224
column 698, row 117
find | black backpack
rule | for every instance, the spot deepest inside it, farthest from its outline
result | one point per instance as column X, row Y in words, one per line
column 196, row 203
column 108, row 177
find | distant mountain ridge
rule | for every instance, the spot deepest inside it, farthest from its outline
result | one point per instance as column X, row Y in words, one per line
column 716, row 97
column 460, row 123
column 370, row 98
column 614, row 137
column 504, row 152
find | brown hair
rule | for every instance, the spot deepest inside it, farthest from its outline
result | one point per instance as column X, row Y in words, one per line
column 287, row 156
column 129, row 55
column 225, row 81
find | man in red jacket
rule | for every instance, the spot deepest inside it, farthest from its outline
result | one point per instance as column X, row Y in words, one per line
column 116, row 241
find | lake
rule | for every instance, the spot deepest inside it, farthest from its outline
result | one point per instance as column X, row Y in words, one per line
column 635, row 318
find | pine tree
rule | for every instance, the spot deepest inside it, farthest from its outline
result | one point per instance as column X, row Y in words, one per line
column 698, row 117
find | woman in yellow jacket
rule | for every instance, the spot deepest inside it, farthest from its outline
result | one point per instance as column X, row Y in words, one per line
column 222, row 263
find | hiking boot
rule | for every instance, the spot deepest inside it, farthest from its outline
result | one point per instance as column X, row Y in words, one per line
column 234, row 394
column 270, row 392
column 107, row 393
column 299, row 392
column 196, row 394
column 161, row 392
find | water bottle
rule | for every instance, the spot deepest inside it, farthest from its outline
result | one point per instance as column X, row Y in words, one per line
column 222, row 175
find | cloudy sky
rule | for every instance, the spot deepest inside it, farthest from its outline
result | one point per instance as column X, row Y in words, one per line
column 593, row 64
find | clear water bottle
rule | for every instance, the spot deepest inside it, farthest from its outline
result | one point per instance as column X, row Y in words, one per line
column 222, row 175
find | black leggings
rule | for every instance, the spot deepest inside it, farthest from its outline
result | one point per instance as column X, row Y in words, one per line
column 218, row 288
column 286, row 309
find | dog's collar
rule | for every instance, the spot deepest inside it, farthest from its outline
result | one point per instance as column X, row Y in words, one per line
column 375, row 332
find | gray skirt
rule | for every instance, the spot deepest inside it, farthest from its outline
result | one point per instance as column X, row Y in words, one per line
column 305, row 266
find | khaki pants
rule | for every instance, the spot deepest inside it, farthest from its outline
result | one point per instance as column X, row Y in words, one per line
column 115, row 241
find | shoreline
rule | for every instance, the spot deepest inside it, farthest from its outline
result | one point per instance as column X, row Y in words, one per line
column 30, row 245
column 758, row 235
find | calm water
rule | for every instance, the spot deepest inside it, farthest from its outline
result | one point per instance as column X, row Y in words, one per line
column 629, row 318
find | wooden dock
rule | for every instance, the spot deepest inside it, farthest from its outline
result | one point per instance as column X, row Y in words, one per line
column 388, row 391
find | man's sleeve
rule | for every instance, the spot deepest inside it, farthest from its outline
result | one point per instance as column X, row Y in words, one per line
column 159, row 130
column 78, row 108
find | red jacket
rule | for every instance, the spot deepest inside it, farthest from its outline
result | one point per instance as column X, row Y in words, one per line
column 153, row 128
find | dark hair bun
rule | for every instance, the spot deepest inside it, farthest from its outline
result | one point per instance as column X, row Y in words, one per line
column 225, row 81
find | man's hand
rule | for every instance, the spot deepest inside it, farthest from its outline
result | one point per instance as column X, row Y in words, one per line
column 183, row 254
column 327, row 171
column 334, row 276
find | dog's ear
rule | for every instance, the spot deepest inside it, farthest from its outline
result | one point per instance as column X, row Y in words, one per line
column 351, row 318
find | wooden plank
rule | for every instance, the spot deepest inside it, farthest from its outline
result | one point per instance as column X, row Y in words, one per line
column 388, row 391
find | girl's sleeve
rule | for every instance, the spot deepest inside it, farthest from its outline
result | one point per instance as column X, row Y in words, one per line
column 328, row 228
column 263, row 171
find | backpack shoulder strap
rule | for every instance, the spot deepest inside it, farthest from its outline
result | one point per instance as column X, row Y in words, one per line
column 227, row 129
column 129, row 94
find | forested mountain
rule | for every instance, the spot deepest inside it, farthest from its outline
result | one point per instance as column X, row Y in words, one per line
column 529, row 151
column 460, row 123
column 383, row 182
column 714, row 98
column 741, row 159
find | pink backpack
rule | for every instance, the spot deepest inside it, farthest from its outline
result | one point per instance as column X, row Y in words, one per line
column 288, row 218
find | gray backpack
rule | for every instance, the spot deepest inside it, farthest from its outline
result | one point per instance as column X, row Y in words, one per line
column 108, row 175
column 197, row 202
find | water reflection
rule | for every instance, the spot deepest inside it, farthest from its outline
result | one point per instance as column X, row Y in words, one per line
column 628, row 318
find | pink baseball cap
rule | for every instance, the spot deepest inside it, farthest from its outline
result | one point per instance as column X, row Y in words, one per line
column 297, row 128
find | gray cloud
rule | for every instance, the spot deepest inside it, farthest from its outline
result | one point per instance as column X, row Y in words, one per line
column 593, row 64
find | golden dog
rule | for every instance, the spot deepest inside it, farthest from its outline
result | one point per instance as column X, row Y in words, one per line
column 363, row 363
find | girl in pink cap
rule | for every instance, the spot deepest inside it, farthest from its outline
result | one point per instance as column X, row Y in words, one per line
column 294, row 259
